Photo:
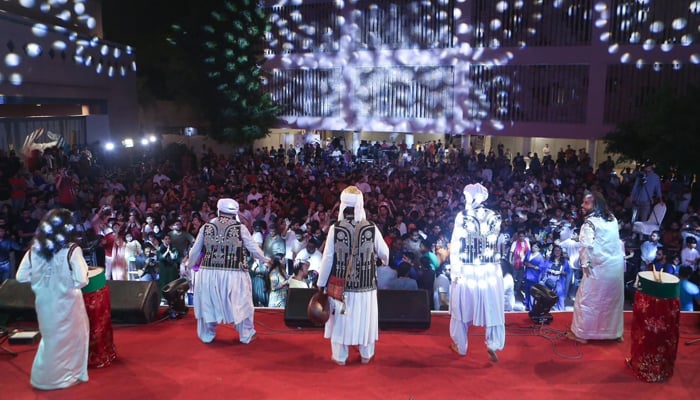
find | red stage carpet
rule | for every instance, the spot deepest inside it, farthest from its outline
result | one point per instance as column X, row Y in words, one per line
column 165, row 360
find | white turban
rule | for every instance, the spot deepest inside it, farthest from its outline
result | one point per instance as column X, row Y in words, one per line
column 475, row 194
column 352, row 197
column 227, row 206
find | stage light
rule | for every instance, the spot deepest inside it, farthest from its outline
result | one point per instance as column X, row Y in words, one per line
column 109, row 146
column 543, row 301
column 174, row 293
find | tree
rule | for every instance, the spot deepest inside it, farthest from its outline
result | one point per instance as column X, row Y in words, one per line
column 667, row 132
column 225, row 39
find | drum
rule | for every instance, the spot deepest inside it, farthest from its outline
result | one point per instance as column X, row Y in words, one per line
column 97, row 278
column 667, row 287
column 655, row 326
column 96, row 295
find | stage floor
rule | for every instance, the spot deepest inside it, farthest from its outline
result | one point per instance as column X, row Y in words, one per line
column 165, row 360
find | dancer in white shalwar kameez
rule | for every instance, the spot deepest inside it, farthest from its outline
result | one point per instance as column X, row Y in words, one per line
column 598, row 309
column 223, row 292
column 57, row 271
column 477, row 292
column 353, row 244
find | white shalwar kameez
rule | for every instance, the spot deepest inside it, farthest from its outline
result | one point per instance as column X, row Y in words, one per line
column 477, row 292
column 224, row 295
column 598, row 309
column 61, row 359
column 359, row 325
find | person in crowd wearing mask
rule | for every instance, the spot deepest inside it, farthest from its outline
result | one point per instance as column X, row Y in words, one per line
column 181, row 240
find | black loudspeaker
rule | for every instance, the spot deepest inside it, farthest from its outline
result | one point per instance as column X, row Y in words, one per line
column 398, row 309
column 16, row 301
column 295, row 310
column 406, row 309
column 134, row 302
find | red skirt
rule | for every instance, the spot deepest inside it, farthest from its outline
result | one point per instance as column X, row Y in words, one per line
column 655, row 331
column 99, row 310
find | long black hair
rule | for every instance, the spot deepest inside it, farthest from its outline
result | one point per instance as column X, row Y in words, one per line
column 600, row 206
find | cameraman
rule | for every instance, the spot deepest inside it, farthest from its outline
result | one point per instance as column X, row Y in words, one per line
column 647, row 189
column 147, row 263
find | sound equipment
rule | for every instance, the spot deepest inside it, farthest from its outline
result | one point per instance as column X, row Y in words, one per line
column 404, row 309
column 295, row 315
column 398, row 309
column 133, row 302
column 16, row 301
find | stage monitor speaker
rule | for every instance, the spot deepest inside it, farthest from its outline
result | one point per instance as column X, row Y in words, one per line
column 404, row 309
column 398, row 309
column 134, row 302
column 295, row 310
column 16, row 301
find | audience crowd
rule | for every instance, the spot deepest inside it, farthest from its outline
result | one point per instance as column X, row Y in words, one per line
column 139, row 219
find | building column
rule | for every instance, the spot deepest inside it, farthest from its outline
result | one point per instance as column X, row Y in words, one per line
column 409, row 139
column 355, row 141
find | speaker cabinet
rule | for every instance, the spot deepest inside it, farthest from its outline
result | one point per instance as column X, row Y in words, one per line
column 17, row 301
column 398, row 309
column 404, row 309
column 295, row 310
column 134, row 302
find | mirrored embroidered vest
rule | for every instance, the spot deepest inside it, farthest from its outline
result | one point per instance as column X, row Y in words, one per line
column 223, row 247
column 480, row 242
column 363, row 276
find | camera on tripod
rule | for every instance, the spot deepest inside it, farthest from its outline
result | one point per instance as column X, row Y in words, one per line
column 642, row 177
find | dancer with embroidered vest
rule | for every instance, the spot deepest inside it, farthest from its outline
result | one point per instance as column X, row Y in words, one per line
column 348, row 273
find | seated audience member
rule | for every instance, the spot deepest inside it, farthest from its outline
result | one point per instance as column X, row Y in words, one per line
column 385, row 275
column 301, row 270
column 403, row 281
column 648, row 250
column 690, row 255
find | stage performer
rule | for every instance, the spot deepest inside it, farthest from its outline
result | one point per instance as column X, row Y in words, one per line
column 223, row 293
column 598, row 309
column 477, row 292
column 348, row 272
column 57, row 271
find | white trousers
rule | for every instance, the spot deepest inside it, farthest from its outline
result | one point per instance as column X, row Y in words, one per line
column 459, row 331
column 207, row 330
column 339, row 352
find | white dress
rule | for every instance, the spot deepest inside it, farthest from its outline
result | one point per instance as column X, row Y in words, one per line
column 61, row 359
column 598, row 310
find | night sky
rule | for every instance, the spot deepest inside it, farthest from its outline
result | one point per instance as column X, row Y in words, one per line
column 139, row 23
